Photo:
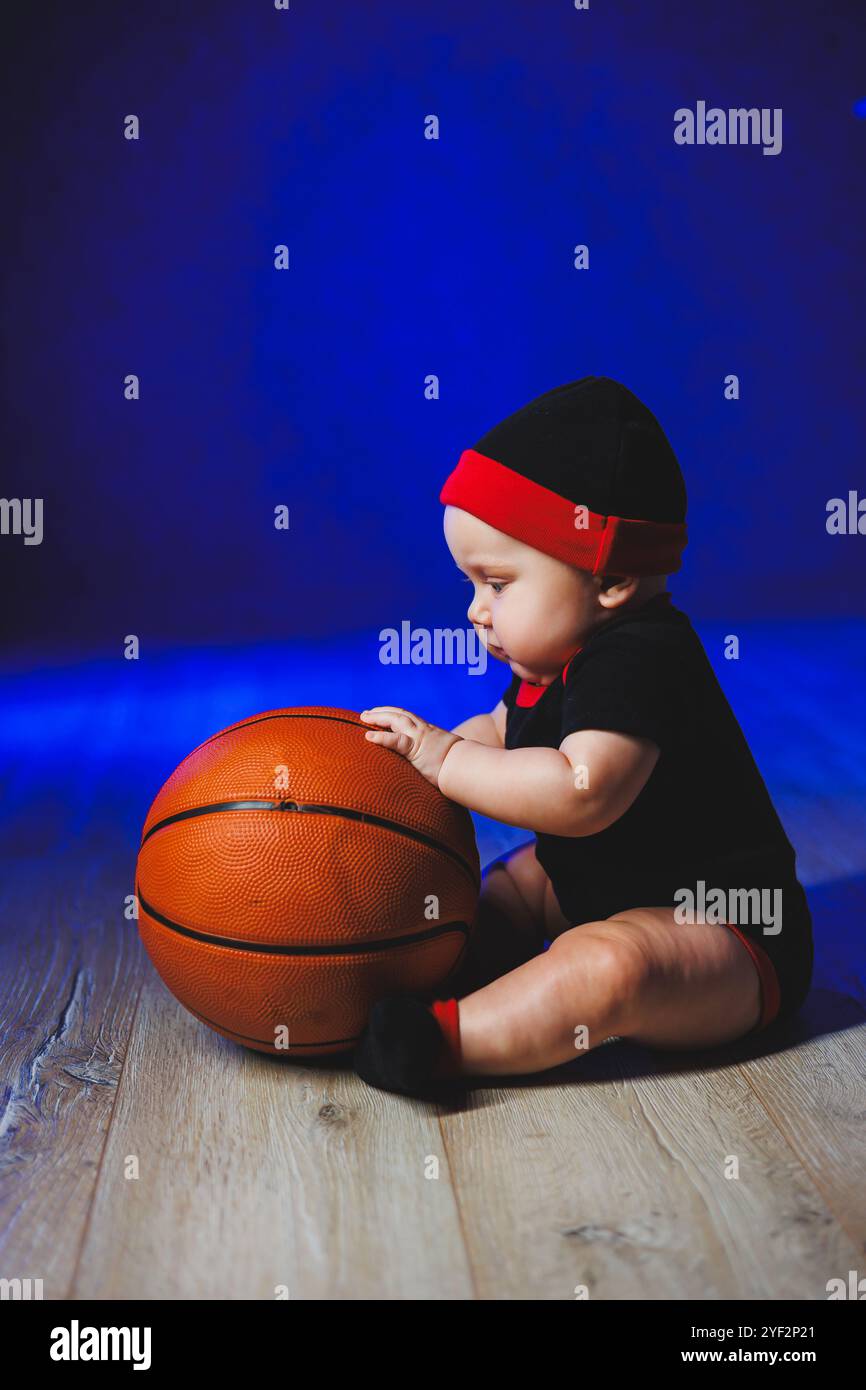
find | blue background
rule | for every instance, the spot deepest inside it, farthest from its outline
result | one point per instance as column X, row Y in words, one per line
column 409, row 257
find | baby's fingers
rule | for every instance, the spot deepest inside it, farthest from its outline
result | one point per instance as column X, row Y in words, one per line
column 399, row 743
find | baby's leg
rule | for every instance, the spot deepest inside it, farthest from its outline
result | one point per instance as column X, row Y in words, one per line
column 699, row 985
column 638, row 975
column 508, row 928
column 552, row 1008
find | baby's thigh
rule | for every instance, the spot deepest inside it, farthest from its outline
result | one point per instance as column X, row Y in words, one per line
column 530, row 880
column 698, row 986
column 536, row 890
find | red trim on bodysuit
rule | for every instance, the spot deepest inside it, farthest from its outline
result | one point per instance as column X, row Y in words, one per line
column 529, row 694
column 771, row 994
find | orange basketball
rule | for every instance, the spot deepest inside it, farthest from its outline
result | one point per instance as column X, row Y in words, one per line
column 291, row 871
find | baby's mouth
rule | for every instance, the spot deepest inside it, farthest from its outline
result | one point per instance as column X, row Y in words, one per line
column 492, row 647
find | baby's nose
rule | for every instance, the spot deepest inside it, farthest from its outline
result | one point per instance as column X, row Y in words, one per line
column 475, row 612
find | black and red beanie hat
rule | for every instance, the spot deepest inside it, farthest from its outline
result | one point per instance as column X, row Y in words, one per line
column 584, row 473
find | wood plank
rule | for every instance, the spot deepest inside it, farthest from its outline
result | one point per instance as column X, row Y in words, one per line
column 616, row 1183
column 70, row 971
column 256, row 1172
column 814, row 1094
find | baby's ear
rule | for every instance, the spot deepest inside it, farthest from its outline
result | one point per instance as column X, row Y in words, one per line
column 617, row 589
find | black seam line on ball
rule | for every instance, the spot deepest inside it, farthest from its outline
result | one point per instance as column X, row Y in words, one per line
column 278, row 1051
column 261, row 718
column 313, row 809
column 347, row 948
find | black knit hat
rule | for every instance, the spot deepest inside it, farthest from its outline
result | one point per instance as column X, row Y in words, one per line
column 584, row 472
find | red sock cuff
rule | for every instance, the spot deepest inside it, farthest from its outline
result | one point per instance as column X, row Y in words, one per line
column 447, row 1015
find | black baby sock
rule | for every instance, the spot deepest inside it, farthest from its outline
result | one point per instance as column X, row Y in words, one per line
column 409, row 1046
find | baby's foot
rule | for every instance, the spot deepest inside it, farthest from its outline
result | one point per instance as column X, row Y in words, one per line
column 409, row 1046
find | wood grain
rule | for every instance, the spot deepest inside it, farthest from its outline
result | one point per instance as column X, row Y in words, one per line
column 256, row 1174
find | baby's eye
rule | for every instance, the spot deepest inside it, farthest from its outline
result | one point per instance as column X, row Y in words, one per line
column 495, row 585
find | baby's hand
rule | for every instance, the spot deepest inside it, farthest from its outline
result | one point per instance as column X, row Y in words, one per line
column 423, row 744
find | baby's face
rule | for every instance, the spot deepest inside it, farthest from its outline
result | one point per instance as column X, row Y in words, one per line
column 529, row 609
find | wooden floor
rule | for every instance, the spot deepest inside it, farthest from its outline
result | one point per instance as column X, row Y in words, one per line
column 144, row 1156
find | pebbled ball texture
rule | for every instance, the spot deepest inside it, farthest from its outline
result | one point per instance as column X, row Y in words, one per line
column 291, row 872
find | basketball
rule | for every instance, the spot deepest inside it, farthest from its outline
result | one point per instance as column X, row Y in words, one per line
column 291, row 872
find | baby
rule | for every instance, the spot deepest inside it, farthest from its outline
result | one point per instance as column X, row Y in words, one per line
column 659, row 871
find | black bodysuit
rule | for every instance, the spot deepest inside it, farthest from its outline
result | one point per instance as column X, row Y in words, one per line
column 704, row 815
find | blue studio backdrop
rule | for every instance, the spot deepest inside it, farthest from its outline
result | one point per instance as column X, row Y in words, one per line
column 301, row 255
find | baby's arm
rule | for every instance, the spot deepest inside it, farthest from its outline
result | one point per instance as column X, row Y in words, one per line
column 535, row 793
column 545, row 789
column 485, row 728
column 532, row 788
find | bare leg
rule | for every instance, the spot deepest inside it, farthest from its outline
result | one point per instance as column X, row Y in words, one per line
column 699, row 986
column 551, row 1009
column 506, row 931
column 638, row 975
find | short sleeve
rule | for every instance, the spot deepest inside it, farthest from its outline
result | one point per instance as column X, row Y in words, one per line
column 629, row 687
